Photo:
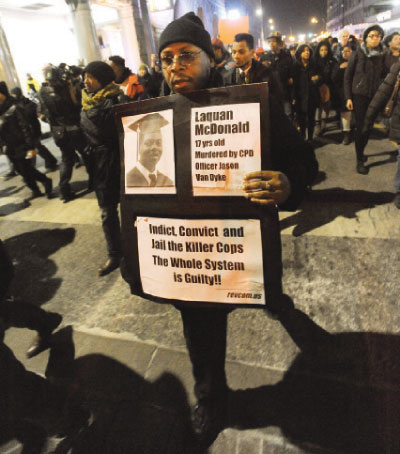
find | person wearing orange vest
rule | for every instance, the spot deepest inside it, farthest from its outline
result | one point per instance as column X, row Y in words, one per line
column 126, row 79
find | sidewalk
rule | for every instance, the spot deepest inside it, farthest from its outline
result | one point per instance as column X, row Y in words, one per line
column 303, row 392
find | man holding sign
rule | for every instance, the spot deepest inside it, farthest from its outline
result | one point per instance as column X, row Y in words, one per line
column 187, row 59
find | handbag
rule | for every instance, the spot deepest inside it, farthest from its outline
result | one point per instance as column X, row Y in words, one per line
column 388, row 110
column 324, row 93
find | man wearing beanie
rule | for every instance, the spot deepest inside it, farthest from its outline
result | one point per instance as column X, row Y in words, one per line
column 97, row 123
column 364, row 73
column 16, row 133
column 126, row 79
column 187, row 59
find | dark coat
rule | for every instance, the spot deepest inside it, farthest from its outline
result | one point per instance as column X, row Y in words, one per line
column 305, row 90
column 150, row 85
column 328, row 67
column 135, row 178
column 15, row 130
column 30, row 110
column 338, row 80
column 258, row 73
column 102, row 150
column 379, row 101
column 363, row 74
column 282, row 64
column 57, row 106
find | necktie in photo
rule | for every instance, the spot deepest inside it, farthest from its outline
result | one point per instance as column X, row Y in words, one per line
column 153, row 179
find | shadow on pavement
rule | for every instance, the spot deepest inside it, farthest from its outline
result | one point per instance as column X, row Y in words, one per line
column 11, row 208
column 34, row 269
column 341, row 393
column 313, row 216
column 98, row 406
column 11, row 190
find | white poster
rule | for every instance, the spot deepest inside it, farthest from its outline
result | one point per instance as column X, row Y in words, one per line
column 225, row 145
column 149, row 153
column 210, row 260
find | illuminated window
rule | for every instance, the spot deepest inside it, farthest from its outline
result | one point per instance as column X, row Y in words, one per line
column 160, row 5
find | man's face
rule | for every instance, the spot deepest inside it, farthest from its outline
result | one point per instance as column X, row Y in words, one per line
column 373, row 39
column 242, row 55
column 118, row 70
column 142, row 72
column 218, row 54
column 150, row 149
column 395, row 43
column 344, row 36
column 274, row 45
column 189, row 67
column 346, row 52
column 91, row 83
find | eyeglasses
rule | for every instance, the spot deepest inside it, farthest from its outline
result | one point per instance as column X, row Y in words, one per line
column 183, row 59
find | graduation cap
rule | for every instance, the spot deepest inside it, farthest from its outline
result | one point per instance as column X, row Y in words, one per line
column 149, row 123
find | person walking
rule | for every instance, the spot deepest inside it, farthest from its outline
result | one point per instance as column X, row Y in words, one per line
column 364, row 73
column 306, row 80
column 376, row 106
column 97, row 123
column 17, row 136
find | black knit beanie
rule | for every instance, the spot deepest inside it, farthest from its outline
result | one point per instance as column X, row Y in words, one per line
column 4, row 89
column 100, row 71
column 187, row 29
column 376, row 28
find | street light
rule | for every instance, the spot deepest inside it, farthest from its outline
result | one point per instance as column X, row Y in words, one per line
column 270, row 21
column 259, row 12
column 314, row 20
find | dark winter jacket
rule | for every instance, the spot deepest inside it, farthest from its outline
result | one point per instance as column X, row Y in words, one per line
column 390, row 59
column 305, row 90
column 256, row 74
column 98, row 125
column 338, row 80
column 379, row 101
column 30, row 110
column 57, row 106
column 365, row 72
column 150, row 85
column 15, row 130
column 282, row 64
column 328, row 68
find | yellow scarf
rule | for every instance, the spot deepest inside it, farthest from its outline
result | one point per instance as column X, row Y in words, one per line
column 90, row 100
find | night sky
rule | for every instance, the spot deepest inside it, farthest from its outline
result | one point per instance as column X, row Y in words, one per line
column 295, row 14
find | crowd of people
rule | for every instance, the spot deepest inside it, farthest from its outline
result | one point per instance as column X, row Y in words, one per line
column 306, row 83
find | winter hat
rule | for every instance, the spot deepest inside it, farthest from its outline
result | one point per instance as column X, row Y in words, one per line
column 4, row 89
column 187, row 29
column 376, row 28
column 100, row 71
column 216, row 42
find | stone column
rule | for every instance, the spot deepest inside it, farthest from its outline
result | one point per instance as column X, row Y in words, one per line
column 85, row 31
column 7, row 68
column 129, row 37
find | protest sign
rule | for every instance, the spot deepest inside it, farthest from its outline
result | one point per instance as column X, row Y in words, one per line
column 207, row 260
column 237, row 270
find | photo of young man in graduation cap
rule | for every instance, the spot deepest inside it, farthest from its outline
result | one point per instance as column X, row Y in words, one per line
column 145, row 173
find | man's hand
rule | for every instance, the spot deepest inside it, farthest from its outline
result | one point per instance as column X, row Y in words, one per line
column 266, row 187
column 349, row 104
column 344, row 65
column 315, row 78
column 290, row 81
column 31, row 153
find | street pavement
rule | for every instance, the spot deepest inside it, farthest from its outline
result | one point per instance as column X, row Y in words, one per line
column 325, row 379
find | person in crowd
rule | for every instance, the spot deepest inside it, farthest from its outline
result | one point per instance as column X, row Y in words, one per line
column 247, row 70
column 363, row 75
column 30, row 109
column 293, row 168
column 344, row 35
column 16, row 134
column 328, row 67
column 292, row 51
column 392, row 43
column 353, row 41
column 150, row 85
column 97, row 123
column 334, row 45
column 24, row 315
column 376, row 106
column 280, row 61
column 156, row 73
column 306, row 80
column 126, row 79
column 338, row 79
column 60, row 108
column 32, row 85
column 259, row 53
column 223, row 59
